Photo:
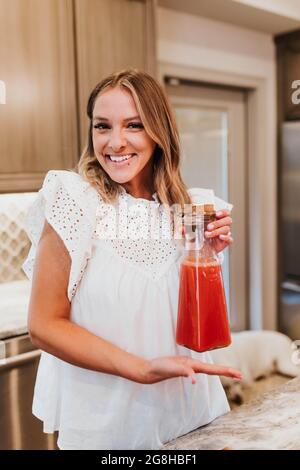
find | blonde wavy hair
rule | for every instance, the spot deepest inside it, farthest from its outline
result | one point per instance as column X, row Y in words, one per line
column 159, row 122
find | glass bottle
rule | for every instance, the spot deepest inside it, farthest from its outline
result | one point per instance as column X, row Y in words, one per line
column 202, row 321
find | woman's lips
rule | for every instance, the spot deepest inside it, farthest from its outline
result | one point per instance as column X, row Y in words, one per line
column 121, row 163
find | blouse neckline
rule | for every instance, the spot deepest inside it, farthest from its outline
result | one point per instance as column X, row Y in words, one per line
column 140, row 199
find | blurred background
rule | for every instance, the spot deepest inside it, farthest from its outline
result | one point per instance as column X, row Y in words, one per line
column 231, row 69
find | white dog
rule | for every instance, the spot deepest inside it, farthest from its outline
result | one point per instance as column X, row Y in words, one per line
column 256, row 354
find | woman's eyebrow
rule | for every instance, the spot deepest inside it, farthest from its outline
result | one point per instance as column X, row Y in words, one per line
column 100, row 118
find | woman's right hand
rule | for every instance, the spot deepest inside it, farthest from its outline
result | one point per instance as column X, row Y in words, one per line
column 167, row 367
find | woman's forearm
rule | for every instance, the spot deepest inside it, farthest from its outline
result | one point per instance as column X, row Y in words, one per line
column 76, row 345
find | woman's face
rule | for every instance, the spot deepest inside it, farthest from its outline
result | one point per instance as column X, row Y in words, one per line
column 121, row 144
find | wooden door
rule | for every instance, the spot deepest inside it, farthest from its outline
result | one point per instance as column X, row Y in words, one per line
column 212, row 127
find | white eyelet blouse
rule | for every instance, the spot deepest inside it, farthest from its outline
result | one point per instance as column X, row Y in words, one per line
column 123, row 288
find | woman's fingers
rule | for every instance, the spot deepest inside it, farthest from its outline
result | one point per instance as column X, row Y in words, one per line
column 162, row 368
column 212, row 369
column 226, row 238
column 225, row 230
column 193, row 366
column 219, row 223
column 222, row 213
column 220, row 227
column 191, row 373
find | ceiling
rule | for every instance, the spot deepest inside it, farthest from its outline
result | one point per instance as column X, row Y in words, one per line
column 238, row 12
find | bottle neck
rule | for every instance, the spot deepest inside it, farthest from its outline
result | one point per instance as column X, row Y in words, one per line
column 196, row 244
column 194, row 238
column 200, row 246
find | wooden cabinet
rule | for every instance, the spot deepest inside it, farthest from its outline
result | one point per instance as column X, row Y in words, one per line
column 288, row 72
column 38, row 128
column 111, row 35
column 52, row 53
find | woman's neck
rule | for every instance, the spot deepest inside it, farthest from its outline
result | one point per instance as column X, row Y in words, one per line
column 140, row 194
column 139, row 191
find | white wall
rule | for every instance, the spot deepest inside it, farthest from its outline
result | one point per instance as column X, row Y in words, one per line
column 267, row 16
column 222, row 50
column 201, row 42
column 288, row 8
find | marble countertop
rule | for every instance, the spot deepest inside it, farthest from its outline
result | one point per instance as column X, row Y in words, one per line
column 14, row 300
column 270, row 422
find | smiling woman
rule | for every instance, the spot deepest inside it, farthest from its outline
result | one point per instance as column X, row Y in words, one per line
column 121, row 145
column 103, row 308
column 131, row 116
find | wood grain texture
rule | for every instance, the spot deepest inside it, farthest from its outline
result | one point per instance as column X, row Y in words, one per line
column 52, row 53
column 38, row 128
column 111, row 35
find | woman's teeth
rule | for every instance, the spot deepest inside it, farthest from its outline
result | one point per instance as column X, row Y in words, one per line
column 117, row 159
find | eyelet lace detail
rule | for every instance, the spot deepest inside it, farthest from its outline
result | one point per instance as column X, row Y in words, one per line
column 138, row 231
column 68, row 204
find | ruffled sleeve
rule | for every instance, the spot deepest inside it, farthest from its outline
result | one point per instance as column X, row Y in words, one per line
column 207, row 196
column 69, row 205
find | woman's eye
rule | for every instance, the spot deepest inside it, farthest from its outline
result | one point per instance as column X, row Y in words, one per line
column 100, row 126
column 136, row 125
column 132, row 125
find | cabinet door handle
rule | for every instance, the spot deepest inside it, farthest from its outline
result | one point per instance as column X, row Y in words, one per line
column 18, row 360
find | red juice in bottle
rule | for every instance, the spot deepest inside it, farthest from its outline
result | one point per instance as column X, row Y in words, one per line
column 202, row 320
column 202, row 313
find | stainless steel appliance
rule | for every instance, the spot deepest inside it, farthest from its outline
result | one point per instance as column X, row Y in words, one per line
column 290, row 229
column 19, row 429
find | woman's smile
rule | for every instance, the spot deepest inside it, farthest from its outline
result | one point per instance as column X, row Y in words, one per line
column 120, row 161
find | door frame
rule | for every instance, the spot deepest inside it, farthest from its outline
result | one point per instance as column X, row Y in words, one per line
column 262, row 184
column 233, row 103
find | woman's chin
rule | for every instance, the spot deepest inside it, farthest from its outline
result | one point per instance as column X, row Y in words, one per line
column 120, row 179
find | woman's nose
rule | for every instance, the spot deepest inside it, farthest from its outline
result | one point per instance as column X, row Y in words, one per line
column 117, row 140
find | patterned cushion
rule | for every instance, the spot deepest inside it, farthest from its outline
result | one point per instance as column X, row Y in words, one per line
column 14, row 242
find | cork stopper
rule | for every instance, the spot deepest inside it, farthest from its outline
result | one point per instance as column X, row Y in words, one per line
column 197, row 209
column 209, row 208
column 209, row 214
column 202, row 208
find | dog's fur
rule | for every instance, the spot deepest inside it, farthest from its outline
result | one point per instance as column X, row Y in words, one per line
column 256, row 354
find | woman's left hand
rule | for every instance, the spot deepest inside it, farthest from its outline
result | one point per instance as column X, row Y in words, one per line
column 219, row 231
